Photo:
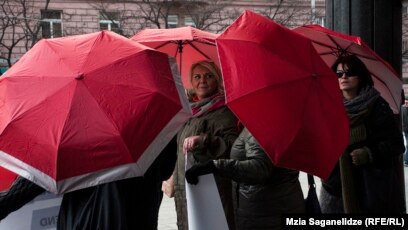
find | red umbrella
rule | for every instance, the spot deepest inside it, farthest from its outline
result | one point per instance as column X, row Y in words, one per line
column 284, row 93
column 84, row 110
column 187, row 44
column 330, row 45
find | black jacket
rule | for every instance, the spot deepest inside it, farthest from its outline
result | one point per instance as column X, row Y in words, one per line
column 376, row 182
column 262, row 191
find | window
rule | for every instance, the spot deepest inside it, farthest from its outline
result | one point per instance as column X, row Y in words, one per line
column 188, row 21
column 51, row 23
column 110, row 21
column 172, row 21
column 404, row 48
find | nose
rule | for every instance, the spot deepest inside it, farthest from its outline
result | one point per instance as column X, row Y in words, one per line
column 203, row 79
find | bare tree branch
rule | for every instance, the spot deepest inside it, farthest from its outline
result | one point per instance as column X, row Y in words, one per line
column 11, row 27
column 287, row 13
column 32, row 27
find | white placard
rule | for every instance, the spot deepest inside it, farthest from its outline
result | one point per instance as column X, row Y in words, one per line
column 204, row 205
column 39, row 214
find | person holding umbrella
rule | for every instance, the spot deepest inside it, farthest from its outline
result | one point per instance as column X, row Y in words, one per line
column 131, row 203
column 90, row 130
column 363, row 179
column 264, row 191
column 208, row 135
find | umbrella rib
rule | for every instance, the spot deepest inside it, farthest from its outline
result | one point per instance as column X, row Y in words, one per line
column 335, row 51
column 50, row 95
column 135, row 54
column 170, row 42
column 198, row 50
column 332, row 52
column 90, row 50
column 341, row 50
column 383, row 82
column 164, row 44
column 338, row 51
column 57, row 53
column 364, row 56
column 40, row 102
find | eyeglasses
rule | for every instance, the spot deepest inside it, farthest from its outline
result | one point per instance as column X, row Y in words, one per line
column 348, row 73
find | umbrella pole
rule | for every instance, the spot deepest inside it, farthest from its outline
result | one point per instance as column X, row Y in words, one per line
column 180, row 50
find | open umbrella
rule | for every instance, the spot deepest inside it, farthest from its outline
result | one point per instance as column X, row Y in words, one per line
column 283, row 92
column 330, row 45
column 186, row 44
column 88, row 109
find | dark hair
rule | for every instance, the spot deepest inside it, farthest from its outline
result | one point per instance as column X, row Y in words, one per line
column 355, row 65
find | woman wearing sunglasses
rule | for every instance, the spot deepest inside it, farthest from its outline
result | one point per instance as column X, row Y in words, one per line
column 363, row 179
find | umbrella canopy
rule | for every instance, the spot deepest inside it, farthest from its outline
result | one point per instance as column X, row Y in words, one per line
column 6, row 178
column 186, row 44
column 83, row 110
column 330, row 45
column 283, row 92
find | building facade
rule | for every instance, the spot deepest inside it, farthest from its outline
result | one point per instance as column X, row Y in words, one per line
column 23, row 23
column 404, row 46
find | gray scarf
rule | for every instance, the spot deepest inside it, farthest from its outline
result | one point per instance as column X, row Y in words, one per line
column 366, row 96
column 357, row 109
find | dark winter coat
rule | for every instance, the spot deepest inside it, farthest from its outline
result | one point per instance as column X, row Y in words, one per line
column 218, row 131
column 376, row 183
column 126, row 204
column 262, row 191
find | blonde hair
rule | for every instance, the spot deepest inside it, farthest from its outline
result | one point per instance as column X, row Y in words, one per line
column 214, row 70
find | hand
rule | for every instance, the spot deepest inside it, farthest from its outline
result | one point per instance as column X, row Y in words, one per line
column 168, row 187
column 198, row 170
column 360, row 156
column 190, row 143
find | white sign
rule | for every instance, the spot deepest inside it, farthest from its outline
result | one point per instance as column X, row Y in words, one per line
column 39, row 214
column 204, row 205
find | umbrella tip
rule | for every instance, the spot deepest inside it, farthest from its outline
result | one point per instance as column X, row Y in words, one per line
column 80, row 76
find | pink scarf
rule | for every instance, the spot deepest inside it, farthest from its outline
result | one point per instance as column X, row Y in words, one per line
column 206, row 105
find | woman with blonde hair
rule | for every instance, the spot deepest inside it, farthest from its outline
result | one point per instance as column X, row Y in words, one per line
column 208, row 135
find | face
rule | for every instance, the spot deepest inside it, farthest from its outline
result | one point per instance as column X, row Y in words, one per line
column 348, row 81
column 204, row 82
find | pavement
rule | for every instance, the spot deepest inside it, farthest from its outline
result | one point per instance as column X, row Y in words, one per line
column 167, row 214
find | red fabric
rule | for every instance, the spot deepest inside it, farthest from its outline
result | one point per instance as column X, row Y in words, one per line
column 330, row 44
column 283, row 92
column 6, row 178
column 75, row 105
column 197, row 45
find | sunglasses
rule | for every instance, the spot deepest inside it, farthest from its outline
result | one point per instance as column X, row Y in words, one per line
column 348, row 73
